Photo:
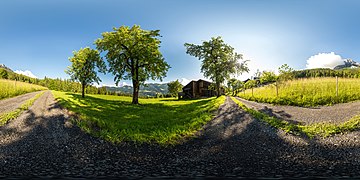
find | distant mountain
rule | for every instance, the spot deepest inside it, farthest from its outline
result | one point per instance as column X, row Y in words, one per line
column 150, row 89
column 348, row 63
column 184, row 81
column 5, row 67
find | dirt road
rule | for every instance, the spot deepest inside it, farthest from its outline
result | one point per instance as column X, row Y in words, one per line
column 335, row 114
column 42, row 142
column 10, row 104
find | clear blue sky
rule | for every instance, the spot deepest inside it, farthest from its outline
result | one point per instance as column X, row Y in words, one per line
column 40, row 35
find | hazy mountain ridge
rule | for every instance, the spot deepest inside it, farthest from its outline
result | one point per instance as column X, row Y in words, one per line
column 150, row 89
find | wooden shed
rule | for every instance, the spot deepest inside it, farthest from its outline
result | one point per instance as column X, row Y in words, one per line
column 198, row 89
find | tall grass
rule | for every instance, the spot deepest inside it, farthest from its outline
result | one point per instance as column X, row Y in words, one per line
column 9, row 88
column 307, row 92
column 164, row 121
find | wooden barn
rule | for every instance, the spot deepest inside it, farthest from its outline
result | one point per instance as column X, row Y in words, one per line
column 198, row 89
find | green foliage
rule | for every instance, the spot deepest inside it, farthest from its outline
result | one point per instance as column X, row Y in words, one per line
column 286, row 72
column 312, row 130
column 3, row 73
column 9, row 88
column 133, row 54
column 268, row 77
column 174, row 87
column 219, row 60
column 250, row 84
column 4, row 118
column 163, row 121
column 307, row 92
column 83, row 67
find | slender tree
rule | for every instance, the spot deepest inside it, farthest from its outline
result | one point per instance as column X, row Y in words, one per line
column 219, row 60
column 133, row 54
column 83, row 67
column 174, row 87
column 286, row 72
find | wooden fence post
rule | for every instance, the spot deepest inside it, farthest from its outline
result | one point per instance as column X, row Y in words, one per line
column 337, row 87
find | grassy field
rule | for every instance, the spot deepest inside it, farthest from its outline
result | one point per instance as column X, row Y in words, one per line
column 307, row 92
column 317, row 129
column 11, row 88
column 164, row 121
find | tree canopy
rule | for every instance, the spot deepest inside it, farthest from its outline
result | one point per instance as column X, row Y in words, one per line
column 286, row 72
column 219, row 60
column 83, row 67
column 133, row 54
column 174, row 87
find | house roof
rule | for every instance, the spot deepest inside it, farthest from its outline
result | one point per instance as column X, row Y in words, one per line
column 197, row 81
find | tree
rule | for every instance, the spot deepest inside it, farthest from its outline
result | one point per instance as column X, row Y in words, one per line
column 286, row 72
column 3, row 73
column 250, row 84
column 268, row 77
column 174, row 87
column 83, row 67
column 133, row 54
column 219, row 60
column 232, row 84
column 235, row 85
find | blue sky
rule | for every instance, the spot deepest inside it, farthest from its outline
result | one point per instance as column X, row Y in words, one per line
column 40, row 35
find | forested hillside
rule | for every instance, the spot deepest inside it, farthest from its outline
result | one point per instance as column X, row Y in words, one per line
column 67, row 85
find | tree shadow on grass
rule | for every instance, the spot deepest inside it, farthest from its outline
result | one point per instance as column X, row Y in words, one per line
column 119, row 118
column 232, row 144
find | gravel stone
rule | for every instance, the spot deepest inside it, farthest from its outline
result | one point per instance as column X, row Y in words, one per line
column 336, row 114
column 40, row 143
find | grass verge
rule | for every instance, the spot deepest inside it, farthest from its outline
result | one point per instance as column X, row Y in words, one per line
column 4, row 118
column 312, row 130
column 164, row 121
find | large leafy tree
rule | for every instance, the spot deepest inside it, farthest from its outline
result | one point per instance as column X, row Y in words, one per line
column 133, row 54
column 219, row 60
column 84, row 62
column 174, row 87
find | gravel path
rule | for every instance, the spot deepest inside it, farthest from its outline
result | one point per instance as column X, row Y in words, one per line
column 11, row 104
column 42, row 143
column 336, row 114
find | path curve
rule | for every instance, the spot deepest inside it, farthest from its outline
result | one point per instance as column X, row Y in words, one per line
column 10, row 104
column 335, row 114
column 42, row 142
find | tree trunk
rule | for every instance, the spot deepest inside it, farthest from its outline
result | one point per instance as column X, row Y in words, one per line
column 218, row 89
column 135, row 99
column 83, row 90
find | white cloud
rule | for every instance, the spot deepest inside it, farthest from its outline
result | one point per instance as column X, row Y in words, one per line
column 26, row 73
column 324, row 60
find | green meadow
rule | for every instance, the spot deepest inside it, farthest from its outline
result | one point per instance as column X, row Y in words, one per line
column 164, row 121
column 306, row 92
column 11, row 88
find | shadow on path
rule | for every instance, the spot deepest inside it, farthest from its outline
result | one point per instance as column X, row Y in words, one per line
column 232, row 144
